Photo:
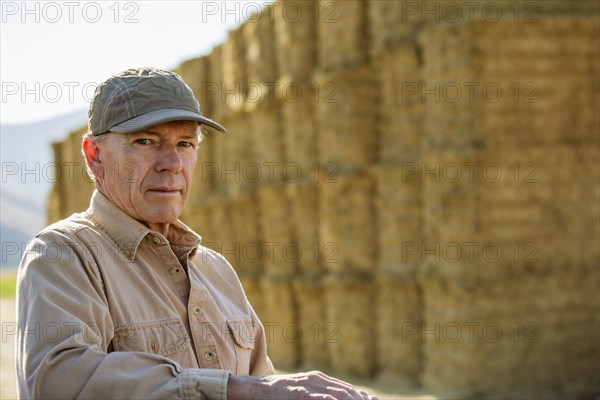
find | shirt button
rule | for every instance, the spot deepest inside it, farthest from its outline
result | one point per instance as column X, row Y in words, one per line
column 196, row 310
column 156, row 240
column 154, row 346
column 208, row 356
column 174, row 271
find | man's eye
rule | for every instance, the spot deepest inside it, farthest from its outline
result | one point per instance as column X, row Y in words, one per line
column 141, row 141
column 185, row 144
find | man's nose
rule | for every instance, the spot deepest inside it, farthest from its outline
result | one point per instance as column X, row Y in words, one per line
column 169, row 159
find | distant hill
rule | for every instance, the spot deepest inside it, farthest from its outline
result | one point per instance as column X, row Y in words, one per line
column 26, row 179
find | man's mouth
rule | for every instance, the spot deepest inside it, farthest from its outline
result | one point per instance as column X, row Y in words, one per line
column 165, row 190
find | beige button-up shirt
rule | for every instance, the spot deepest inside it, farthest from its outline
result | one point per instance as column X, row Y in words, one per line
column 108, row 308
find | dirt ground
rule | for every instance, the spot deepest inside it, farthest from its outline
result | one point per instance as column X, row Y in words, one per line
column 8, row 390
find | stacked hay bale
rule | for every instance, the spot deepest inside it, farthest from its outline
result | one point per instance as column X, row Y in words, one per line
column 346, row 146
column 75, row 186
column 342, row 34
column 295, row 34
column 398, row 201
column 502, row 283
column 55, row 205
column 308, row 282
column 399, row 221
column 234, row 70
column 263, row 157
column 347, row 253
column 392, row 24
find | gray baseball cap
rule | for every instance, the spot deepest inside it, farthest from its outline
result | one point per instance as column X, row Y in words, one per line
column 139, row 98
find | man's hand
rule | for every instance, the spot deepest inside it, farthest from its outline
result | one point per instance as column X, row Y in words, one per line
column 306, row 385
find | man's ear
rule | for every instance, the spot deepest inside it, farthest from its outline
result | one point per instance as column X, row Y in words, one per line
column 91, row 151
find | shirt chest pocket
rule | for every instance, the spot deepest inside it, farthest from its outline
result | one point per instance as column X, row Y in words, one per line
column 243, row 332
column 164, row 337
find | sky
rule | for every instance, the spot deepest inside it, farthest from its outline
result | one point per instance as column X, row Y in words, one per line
column 54, row 53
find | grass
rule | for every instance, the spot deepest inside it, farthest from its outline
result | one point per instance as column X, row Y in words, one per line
column 8, row 285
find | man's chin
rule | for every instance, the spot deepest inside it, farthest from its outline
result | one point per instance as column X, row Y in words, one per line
column 164, row 216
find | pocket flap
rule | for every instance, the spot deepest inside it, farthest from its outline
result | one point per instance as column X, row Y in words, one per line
column 243, row 331
column 159, row 337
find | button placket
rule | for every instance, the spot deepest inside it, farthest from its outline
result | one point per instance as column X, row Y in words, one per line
column 208, row 357
column 172, row 267
column 204, row 341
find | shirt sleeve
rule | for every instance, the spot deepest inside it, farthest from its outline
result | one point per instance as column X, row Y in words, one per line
column 65, row 329
column 260, row 363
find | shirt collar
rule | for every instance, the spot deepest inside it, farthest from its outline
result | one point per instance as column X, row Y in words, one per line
column 127, row 233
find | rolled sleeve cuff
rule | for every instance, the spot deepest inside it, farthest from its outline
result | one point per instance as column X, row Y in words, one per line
column 209, row 384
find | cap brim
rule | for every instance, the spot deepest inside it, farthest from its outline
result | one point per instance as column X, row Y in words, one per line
column 153, row 118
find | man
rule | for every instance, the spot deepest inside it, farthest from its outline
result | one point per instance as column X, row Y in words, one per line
column 122, row 301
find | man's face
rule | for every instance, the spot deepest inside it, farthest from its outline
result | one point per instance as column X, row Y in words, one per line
column 148, row 174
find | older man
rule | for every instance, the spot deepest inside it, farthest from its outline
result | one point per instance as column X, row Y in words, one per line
column 122, row 301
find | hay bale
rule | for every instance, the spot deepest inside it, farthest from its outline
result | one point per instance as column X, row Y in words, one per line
column 197, row 217
column 296, row 37
column 304, row 219
column 342, row 34
column 206, row 177
column 218, row 214
column 346, row 224
column 299, row 129
column 214, row 94
column 547, row 194
column 400, row 113
column 536, row 102
column 317, row 332
column 229, row 225
column 399, row 218
column 391, row 23
column 399, row 317
column 55, row 205
column 346, row 115
column 515, row 213
column 279, row 252
column 245, row 228
column 261, row 60
column 233, row 166
column 352, row 333
column 529, row 12
column 195, row 72
column 214, row 169
column 77, row 185
column 516, row 102
column 53, row 213
column 265, row 135
column 280, row 321
column 234, row 66
column 513, row 335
